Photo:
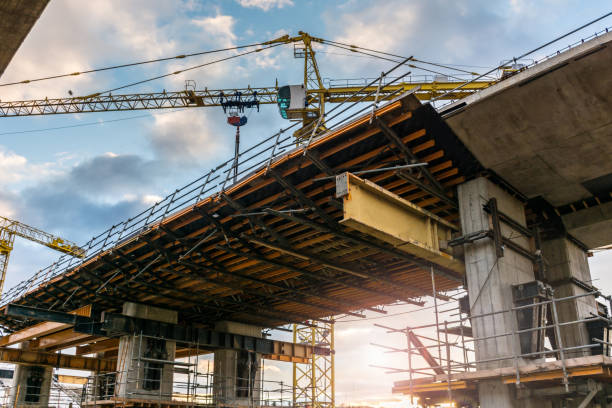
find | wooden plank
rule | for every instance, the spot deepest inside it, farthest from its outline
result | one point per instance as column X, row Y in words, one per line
column 97, row 347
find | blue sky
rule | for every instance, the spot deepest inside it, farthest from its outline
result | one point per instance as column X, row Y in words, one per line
column 78, row 181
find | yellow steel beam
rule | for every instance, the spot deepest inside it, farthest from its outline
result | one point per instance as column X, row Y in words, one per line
column 377, row 212
column 29, row 357
column 41, row 329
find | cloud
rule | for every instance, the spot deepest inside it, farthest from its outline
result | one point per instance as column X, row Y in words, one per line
column 17, row 170
column 87, row 197
column 265, row 5
column 219, row 28
column 111, row 175
column 271, row 368
column 188, row 137
column 471, row 33
column 68, row 38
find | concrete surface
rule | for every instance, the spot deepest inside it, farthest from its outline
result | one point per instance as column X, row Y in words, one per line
column 592, row 226
column 31, row 384
column 565, row 260
column 17, row 17
column 489, row 283
column 547, row 130
column 237, row 373
column 132, row 373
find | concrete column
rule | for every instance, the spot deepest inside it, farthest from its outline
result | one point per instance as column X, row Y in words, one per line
column 564, row 260
column 490, row 281
column 237, row 372
column 31, row 386
column 138, row 378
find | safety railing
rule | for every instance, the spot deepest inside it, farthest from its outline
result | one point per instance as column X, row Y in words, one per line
column 58, row 395
column 144, row 374
column 441, row 350
column 257, row 157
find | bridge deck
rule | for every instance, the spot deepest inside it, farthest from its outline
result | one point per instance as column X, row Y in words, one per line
column 237, row 256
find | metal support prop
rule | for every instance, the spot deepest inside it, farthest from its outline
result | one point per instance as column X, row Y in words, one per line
column 409, row 347
column 559, row 341
column 448, row 363
column 435, row 299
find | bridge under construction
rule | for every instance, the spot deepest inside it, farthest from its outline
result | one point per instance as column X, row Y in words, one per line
column 490, row 202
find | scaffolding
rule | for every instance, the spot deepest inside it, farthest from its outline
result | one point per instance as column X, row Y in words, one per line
column 146, row 380
column 60, row 395
column 443, row 364
column 313, row 383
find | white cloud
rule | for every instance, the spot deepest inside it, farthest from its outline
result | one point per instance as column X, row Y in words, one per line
column 70, row 38
column 16, row 169
column 187, row 138
column 381, row 27
column 220, row 28
column 150, row 199
column 271, row 368
column 265, row 5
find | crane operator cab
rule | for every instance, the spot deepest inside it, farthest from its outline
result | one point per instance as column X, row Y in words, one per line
column 292, row 101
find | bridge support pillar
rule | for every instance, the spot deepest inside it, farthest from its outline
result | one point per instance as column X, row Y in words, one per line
column 145, row 364
column 237, row 372
column 490, row 278
column 31, row 386
column 567, row 271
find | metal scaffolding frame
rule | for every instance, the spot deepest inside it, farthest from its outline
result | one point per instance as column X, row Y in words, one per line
column 314, row 383
column 451, row 349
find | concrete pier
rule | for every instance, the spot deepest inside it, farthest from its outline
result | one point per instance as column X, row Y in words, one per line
column 566, row 267
column 490, row 281
column 31, row 386
column 237, row 372
column 139, row 376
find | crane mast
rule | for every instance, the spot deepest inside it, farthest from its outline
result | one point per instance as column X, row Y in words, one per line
column 9, row 229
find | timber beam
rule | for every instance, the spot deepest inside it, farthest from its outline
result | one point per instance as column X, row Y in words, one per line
column 98, row 347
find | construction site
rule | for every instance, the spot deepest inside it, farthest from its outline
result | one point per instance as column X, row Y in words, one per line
column 446, row 192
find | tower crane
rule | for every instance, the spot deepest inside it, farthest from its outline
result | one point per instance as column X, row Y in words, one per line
column 304, row 102
column 9, row 229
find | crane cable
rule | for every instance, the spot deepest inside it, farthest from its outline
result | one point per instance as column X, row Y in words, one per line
column 181, row 71
column 396, row 61
column 132, row 64
column 355, row 48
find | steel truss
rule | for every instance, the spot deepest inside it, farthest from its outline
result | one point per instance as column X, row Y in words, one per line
column 314, row 383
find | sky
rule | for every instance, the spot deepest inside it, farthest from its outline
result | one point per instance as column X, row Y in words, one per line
column 75, row 175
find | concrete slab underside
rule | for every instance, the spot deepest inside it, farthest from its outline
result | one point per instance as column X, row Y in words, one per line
column 17, row 19
column 547, row 129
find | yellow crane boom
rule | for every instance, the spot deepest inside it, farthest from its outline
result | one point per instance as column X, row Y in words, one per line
column 212, row 97
column 9, row 229
column 317, row 94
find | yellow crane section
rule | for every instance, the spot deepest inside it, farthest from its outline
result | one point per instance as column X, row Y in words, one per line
column 9, row 229
column 316, row 93
column 212, row 97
